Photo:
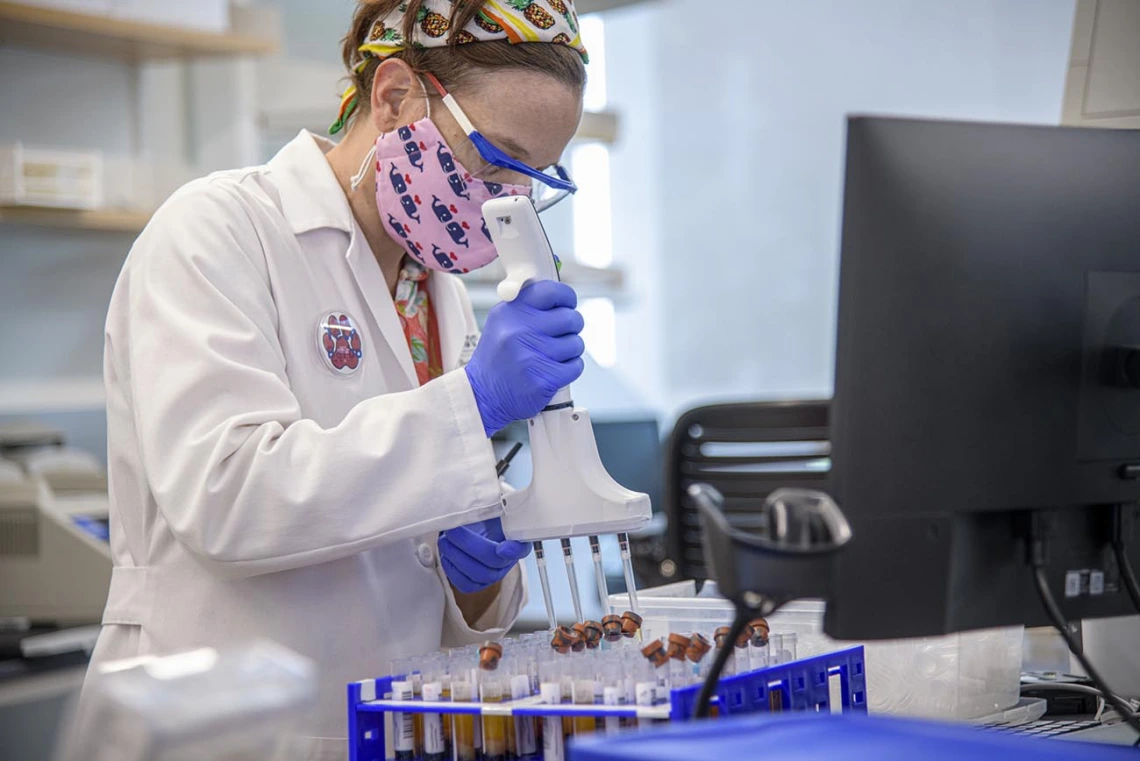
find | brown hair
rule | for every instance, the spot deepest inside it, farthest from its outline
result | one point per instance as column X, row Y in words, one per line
column 457, row 63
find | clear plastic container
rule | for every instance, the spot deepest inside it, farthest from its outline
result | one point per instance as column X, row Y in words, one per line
column 958, row 676
column 242, row 702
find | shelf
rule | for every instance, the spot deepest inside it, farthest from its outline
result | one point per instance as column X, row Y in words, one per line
column 101, row 220
column 589, row 282
column 89, row 34
column 47, row 395
column 297, row 94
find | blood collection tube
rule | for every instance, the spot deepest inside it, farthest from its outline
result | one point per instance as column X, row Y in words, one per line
column 403, row 726
column 572, row 577
column 544, row 581
column 417, row 680
column 645, row 686
column 435, row 744
column 525, row 743
column 492, row 690
column 445, row 696
column 630, row 661
column 550, row 693
column 584, row 694
column 566, row 684
column 791, row 646
column 464, row 726
column 776, row 649
column 613, row 694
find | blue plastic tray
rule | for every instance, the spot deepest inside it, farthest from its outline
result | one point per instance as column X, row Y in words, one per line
column 805, row 685
column 821, row 738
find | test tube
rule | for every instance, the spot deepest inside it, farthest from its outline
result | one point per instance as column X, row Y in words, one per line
column 599, row 572
column 645, row 686
column 658, row 656
column 613, row 694
column 403, row 733
column 463, row 725
column 445, row 696
column 525, row 738
column 758, row 651
column 627, row 569
column 791, row 643
column 776, row 649
column 583, row 694
column 629, row 661
column 417, row 680
column 544, row 581
column 491, row 690
column 550, row 693
column 572, row 576
column 435, row 744
column 676, row 647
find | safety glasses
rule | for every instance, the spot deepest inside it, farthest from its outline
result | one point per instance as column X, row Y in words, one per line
column 548, row 186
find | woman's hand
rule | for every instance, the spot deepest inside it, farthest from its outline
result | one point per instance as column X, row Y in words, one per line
column 477, row 556
column 530, row 349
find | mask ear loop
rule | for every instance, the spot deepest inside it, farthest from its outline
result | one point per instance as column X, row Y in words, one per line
column 366, row 165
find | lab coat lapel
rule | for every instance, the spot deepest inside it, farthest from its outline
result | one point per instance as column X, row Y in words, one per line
column 371, row 282
column 456, row 322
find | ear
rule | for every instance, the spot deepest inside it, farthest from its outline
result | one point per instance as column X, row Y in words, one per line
column 397, row 96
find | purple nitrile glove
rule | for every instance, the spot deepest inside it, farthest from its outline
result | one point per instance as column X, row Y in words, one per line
column 530, row 349
column 476, row 556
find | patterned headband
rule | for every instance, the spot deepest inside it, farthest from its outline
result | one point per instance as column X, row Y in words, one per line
column 517, row 21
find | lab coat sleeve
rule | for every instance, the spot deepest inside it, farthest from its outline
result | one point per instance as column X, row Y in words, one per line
column 242, row 479
column 498, row 619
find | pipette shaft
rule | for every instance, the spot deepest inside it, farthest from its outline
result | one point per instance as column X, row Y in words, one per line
column 599, row 572
column 572, row 576
column 627, row 569
column 544, row 580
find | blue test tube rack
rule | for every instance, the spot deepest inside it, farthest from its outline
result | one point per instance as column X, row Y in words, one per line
column 807, row 685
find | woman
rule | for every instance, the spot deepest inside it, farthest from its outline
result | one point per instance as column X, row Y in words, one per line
column 299, row 404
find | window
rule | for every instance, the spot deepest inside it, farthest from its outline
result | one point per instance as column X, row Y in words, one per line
column 592, row 210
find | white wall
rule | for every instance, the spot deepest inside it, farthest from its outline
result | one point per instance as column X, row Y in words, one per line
column 729, row 179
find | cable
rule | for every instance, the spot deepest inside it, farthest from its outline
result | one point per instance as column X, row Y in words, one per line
column 1122, row 561
column 1070, row 687
column 705, row 698
column 1062, row 626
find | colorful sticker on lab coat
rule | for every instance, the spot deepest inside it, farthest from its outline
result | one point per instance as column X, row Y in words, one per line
column 339, row 342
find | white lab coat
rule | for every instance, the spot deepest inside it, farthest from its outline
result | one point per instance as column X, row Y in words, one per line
column 255, row 491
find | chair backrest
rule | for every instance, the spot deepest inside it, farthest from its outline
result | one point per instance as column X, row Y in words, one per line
column 746, row 451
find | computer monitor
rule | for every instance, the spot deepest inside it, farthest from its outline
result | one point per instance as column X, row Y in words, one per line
column 985, row 391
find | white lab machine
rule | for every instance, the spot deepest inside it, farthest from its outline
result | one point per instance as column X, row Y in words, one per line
column 55, row 555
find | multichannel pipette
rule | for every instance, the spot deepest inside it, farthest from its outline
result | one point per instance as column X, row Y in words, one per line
column 570, row 493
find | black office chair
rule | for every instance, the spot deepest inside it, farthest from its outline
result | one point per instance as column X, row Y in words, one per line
column 746, row 451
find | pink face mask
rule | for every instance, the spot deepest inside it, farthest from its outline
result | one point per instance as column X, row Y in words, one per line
column 430, row 204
